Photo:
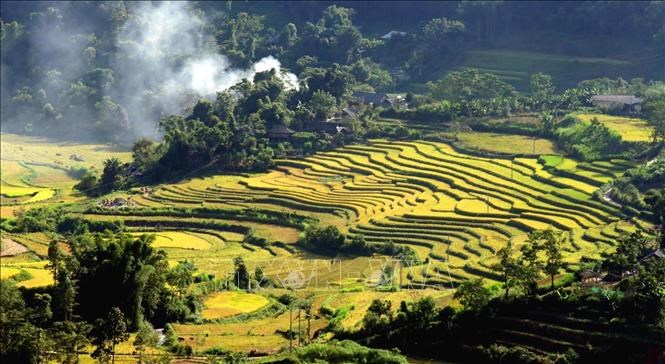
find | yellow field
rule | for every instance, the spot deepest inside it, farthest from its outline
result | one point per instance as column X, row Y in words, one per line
column 454, row 210
column 35, row 170
column 177, row 239
column 630, row 129
column 502, row 143
column 14, row 191
column 7, row 272
column 231, row 303
column 263, row 334
column 40, row 278
column 39, row 275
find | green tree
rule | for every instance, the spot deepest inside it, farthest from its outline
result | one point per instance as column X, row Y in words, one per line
column 472, row 294
column 322, row 104
column 111, row 175
column 654, row 111
column 378, row 317
column 259, row 277
column 55, row 257
column 145, row 337
column 541, row 88
column 629, row 249
column 145, row 153
column 241, row 276
column 17, row 334
column 531, row 266
column 88, row 184
column 143, row 282
column 41, row 311
column 181, row 276
column 327, row 239
column 470, row 84
column 657, row 203
column 551, row 243
column 507, row 267
column 70, row 338
column 107, row 334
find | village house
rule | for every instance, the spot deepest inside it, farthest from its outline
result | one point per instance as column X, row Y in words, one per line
column 627, row 104
column 589, row 276
column 280, row 132
column 344, row 116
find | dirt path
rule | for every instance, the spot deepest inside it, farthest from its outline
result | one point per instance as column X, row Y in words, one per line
column 607, row 198
column 10, row 248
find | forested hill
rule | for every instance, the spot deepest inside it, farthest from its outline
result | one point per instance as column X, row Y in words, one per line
column 110, row 70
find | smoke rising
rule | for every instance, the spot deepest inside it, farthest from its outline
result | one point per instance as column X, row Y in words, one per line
column 166, row 59
column 162, row 57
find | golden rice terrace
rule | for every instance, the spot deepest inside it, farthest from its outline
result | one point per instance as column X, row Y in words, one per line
column 455, row 210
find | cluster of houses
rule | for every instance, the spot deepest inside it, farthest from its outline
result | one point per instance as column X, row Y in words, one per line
column 339, row 122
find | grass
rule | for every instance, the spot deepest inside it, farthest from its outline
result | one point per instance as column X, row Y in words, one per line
column 630, row 129
column 231, row 303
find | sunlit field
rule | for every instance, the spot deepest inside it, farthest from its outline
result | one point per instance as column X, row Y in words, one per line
column 630, row 129
column 36, row 170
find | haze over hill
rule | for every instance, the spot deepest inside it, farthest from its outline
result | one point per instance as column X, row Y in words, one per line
column 110, row 70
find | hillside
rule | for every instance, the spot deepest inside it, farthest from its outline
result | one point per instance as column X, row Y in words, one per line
column 455, row 210
column 332, row 182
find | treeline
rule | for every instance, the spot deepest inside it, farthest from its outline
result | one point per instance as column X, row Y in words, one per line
column 90, row 303
column 62, row 60
column 329, row 240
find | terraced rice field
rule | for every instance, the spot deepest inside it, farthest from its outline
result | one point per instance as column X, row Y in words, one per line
column 455, row 210
column 181, row 240
column 509, row 144
column 231, row 303
column 32, row 273
column 630, row 129
column 34, row 171
column 267, row 334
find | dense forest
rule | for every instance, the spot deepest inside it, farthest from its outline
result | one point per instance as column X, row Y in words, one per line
column 110, row 70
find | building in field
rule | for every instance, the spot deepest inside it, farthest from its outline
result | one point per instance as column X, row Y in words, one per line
column 627, row 104
column 280, row 132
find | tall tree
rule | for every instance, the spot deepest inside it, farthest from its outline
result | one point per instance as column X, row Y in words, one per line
column 551, row 243
column 507, row 267
column 472, row 294
column 241, row 276
column 531, row 266
column 108, row 333
column 55, row 257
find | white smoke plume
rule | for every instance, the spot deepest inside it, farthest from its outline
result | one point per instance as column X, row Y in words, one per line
column 166, row 59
